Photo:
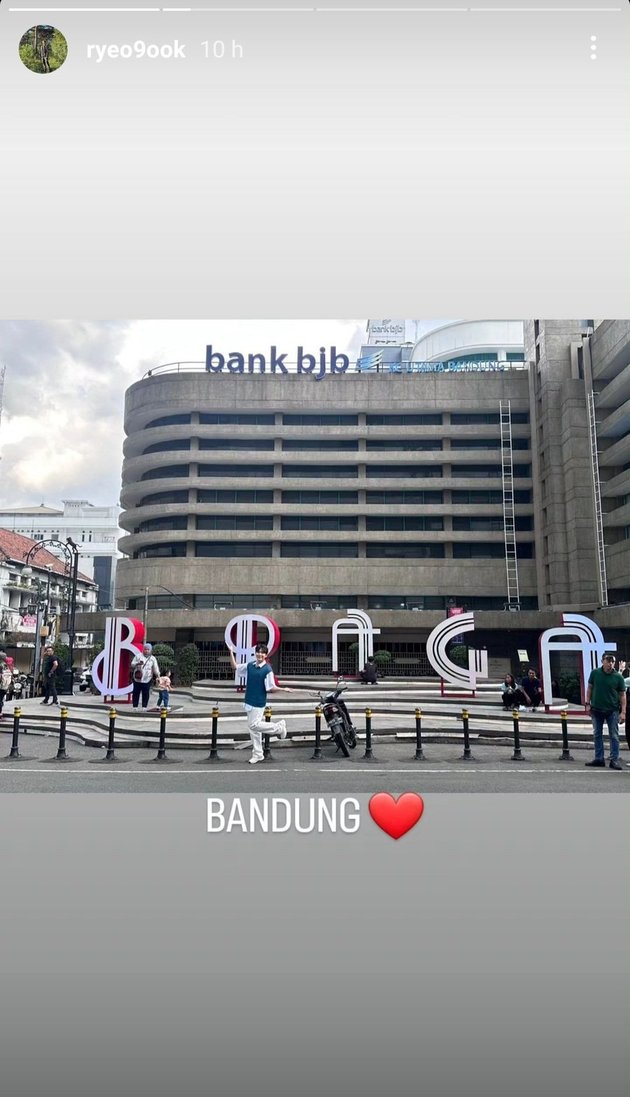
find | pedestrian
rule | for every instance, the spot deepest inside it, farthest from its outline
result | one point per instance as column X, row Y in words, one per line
column 368, row 674
column 259, row 681
column 164, row 690
column 6, row 681
column 512, row 696
column 49, row 673
column 144, row 668
column 532, row 689
column 606, row 699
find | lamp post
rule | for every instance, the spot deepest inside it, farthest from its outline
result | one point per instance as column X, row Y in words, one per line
column 71, row 556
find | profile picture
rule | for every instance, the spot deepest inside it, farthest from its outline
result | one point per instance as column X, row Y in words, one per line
column 43, row 49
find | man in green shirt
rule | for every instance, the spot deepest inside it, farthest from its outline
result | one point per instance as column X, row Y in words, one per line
column 606, row 699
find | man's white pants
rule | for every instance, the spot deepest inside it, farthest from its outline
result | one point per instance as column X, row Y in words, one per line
column 258, row 727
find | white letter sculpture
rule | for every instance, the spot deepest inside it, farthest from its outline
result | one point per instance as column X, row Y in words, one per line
column 591, row 643
column 357, row 623
column 448, row 671
column 241, row 638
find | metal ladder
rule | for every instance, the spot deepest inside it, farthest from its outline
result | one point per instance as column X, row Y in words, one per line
column 597, row 501
column 509, row 530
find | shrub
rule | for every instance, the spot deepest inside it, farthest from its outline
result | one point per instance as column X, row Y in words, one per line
column 188, row 665
column 165, row 656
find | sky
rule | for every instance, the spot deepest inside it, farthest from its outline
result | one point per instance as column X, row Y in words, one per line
column 61, row 431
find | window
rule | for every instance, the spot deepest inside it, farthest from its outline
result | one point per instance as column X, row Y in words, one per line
column 237, row 472
column 426, row 419
column 315, row 497
column 474, row 418
column 321, row 472
column 405, row 444
column 320, row 420
column 476, row 443
column 176, row 522
column 477, row 471
column 176, row 549
column 387, row 550
column 262, row 445
column 495, row 550
column 408, row 522
column 205, row 495
column 215, row 418
column 403, row 472
column 480, row 497
column 406, row 601
column 320, row 444
column 235, row 521
column 478, row 524
column 313, row 549
column 404, row 498
column 317, row 601
column 169, row 421
column 302, row 521
column 167, row 472
column 171, row 444
column 164, row 497
column 233, row 548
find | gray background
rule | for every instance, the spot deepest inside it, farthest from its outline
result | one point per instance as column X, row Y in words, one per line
column 382, row 168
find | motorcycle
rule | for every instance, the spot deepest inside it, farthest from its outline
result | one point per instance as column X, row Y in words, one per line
column 86, row 683
column 20, row 687
column 338, row 719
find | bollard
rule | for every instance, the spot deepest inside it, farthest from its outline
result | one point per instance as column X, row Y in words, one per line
column 317, row 753
column 266, row 738
column 368, row 756
column 566, row 755
column 14, row 754
column 467, row 755
column 213, row 757
column 419, row 755
column 62, row 755
column 110, row 758
column 161, row 757
column 517, row 755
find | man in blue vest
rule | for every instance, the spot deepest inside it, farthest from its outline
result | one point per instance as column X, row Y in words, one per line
column 260, row 680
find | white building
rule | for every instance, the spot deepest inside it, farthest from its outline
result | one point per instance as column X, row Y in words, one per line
column 93, row 529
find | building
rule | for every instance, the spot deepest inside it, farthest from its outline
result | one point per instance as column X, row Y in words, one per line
column 457, row 471
column 94, row 529
column 35, row 595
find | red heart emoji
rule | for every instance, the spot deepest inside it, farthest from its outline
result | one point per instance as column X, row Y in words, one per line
column 396, row 817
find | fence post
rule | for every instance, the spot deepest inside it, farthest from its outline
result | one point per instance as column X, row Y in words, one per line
column 317, row 753
column 266, row 738
column 419, row 755
column 467, row 755
column 566, row 755
column 110, row 758
column 517, row 755
column 62, row 755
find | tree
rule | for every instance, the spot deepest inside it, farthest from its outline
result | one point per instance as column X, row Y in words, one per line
column 458, row 654
column 187, row 665
column 165, row 656
column 382, row 658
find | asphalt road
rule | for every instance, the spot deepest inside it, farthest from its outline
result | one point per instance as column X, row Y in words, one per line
column 291, row 770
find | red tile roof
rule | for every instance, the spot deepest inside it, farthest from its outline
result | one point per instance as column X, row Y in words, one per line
column 15, row 547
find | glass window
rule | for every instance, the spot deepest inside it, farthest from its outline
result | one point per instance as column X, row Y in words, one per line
column 217, row 495
column 472, row 418
column 290, row 445
column 405, row 444
column 404, row 498
column 320, row 420
column 176, row 522
column 164, row 497
column 170, row 444
column 426, row 419
column 388, row 550
column 302, row 521
column 478, row 550
column 476, row 443
column 480, row 472
column 177, row 549
column 233, row 548
column 403, row 472
column 236, row 471
column 215, row 418
column 262, row 445
column 318, row 549
column 166, row 472
column 169, row 421
column 235, row 521
column 315, row 497
column 408, row 522
column 321, row 472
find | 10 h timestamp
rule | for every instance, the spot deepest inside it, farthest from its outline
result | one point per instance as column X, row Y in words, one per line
column 221, row 50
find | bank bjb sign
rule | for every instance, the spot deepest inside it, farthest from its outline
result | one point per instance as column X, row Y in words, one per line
column 326, row 360
column 111, row 670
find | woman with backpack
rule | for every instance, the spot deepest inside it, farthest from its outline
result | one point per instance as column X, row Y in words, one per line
column 144, row 669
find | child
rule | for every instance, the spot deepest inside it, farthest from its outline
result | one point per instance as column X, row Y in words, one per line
column 163, row 685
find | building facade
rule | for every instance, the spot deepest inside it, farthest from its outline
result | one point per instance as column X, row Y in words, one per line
column 456, row 471
column 94, row 529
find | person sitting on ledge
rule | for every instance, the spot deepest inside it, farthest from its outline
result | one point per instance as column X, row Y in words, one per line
column 512, row 697
column 368, row 674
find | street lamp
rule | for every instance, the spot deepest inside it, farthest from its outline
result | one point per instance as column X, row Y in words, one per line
column 71, row 555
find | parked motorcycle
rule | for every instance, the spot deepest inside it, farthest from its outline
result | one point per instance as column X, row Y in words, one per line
column 19, row 689
column 86, row 683
column 338, row 719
